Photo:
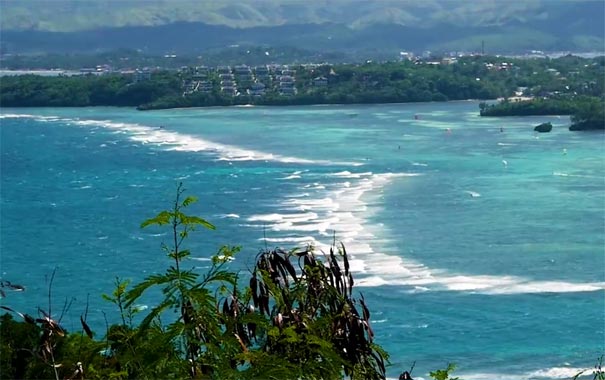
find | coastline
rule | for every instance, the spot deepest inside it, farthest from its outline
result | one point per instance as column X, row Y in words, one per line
column 254, row 105
column 414, row 322
column 516, row 98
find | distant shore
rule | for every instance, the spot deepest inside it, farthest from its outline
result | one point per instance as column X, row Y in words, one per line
column 40, row 72
column 516, row 98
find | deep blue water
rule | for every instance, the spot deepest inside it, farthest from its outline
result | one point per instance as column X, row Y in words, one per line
column 472, row 245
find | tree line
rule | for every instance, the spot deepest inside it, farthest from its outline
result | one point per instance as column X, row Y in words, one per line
column 587, row 112
column 477, row 77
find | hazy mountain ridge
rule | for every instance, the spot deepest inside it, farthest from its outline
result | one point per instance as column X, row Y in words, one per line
column 196, row 38
column 75, row 15
column 185, row 27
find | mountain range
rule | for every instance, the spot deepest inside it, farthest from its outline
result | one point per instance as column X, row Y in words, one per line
column 192, row 27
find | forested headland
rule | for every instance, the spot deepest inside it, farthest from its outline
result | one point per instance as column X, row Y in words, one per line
column 587, row 112
column 344, row 84
column 565, row 86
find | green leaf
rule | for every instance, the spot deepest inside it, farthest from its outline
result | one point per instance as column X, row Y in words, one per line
column 198, row 221
column 189, row 200
column 106, row 297
column 444, row 374
column 154, row 313
column 140, row 288
column 160, row 219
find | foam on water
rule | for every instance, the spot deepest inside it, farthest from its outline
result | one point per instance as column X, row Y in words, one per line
column 540, row 374
column 348, row 174
column 344, row 203
column 231, row 216
column 561, row 174
column 338, row 210
column 473, row 194
column 396, row 271
column 341, row 210
column 182, row 142
column 553, row 373
column 291, row 176
column 21, row 116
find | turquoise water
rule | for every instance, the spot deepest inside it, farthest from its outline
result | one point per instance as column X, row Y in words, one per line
column 474, row 246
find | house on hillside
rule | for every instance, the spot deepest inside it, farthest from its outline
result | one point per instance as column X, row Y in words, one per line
column 205, row 86
column 202, row 70
column 286, row 85
column 142, row 75
column 242, row 70
column 223, row 70
column 88, row 71
column 320, row 82
column 257, row 89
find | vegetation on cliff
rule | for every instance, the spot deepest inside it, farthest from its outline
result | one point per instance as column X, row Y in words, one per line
column 293, row 316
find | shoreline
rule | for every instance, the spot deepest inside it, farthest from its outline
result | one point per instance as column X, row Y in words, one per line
column 244, row 106
column 516, row 98
column 318, row 104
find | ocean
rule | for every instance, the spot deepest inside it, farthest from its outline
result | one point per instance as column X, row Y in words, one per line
column 474, row 240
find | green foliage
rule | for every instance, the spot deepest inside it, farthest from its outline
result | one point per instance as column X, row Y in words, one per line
column 587, row 112
column 589, row 115
column 522, row 108
column 444, row 374
column 81, row 91
column 565, row 86
column 117, row 297
column 297, row 318
column 540, row 106
column 313, row 311
column 196, row 333
column 470, row 78
column 15, row 362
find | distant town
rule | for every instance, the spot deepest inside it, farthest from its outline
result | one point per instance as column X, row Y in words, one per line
column 257, row 80
column 554, row 85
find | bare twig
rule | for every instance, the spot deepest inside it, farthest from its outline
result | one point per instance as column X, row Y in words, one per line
column 50, row 286
column 66, row 307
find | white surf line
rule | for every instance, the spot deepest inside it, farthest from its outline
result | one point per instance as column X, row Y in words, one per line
column 28, row 116
column 188, row 143
column 422, row 278
column 541, row 374
column 339, row 211
column 184, row 142
column 307, row 220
